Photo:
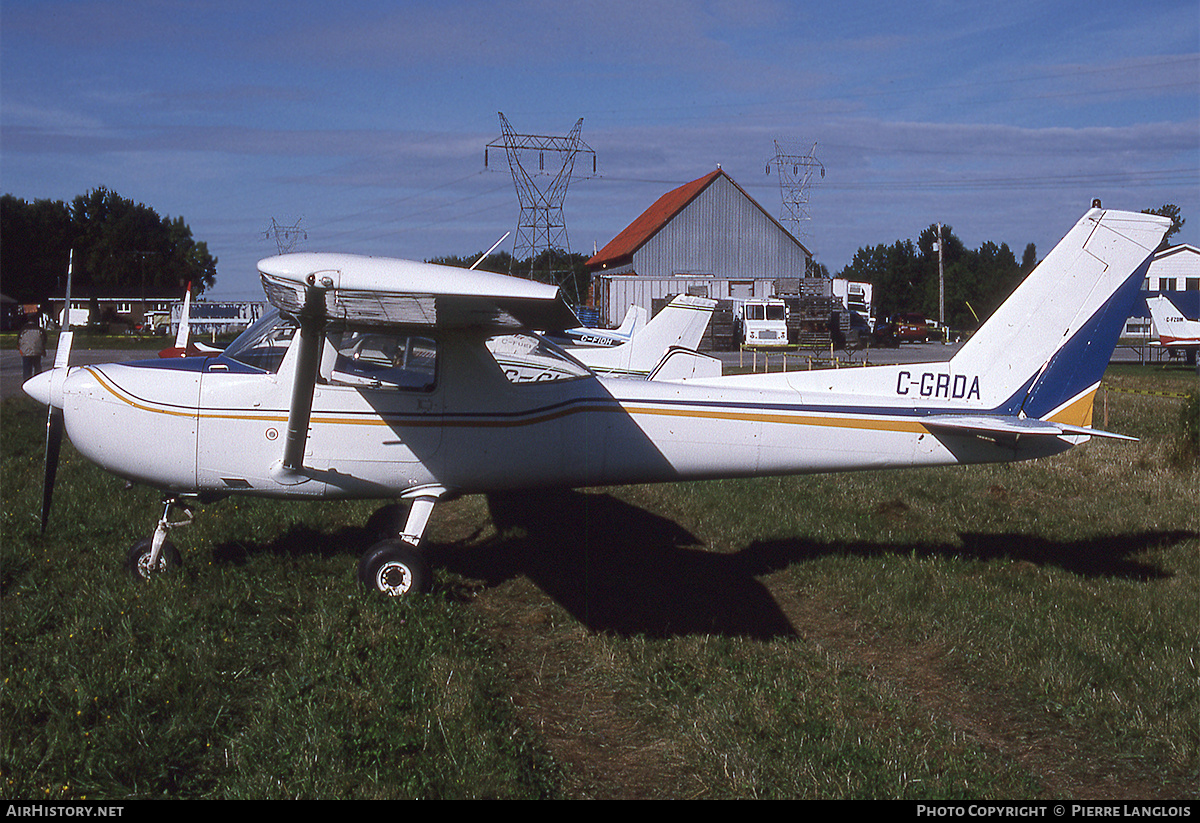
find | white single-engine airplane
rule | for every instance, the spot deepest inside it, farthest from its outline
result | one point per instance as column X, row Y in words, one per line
column 635, row 318
column 403, row 381
column 677, row 329
column 1173, row 329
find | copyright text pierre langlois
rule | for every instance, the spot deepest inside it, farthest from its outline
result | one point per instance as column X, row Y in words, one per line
column 1058, row 810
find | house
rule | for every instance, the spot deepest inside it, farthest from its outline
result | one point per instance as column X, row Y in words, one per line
column 130, row 310
column 1175, row 273
column 707, row 238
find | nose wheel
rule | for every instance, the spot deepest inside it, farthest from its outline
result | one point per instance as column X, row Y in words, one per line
column 143, row 565
column 156, row 554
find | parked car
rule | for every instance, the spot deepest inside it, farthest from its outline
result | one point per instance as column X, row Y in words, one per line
column 884, row 335
column 910, row 327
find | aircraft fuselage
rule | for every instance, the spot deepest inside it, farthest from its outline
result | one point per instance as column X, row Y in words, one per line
column 216, row 426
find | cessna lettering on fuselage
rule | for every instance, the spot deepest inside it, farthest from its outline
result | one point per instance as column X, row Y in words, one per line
column 410, row 383
column 938, row 385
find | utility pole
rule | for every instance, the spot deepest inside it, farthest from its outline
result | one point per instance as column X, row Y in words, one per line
column 286, row 237
column 941, row 288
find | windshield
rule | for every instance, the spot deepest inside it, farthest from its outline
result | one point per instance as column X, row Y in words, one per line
column 264, row 343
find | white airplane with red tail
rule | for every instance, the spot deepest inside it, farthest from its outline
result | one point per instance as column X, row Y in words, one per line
column 1175, row 332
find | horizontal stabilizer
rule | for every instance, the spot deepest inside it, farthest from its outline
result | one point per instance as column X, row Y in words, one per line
column 1012, row 427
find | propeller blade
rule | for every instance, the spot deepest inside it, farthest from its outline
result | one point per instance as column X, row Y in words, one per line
column 54, row 434
column 54, row 415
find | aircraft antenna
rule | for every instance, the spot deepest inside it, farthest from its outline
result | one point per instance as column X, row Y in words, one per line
column 541, row 233
column 796, row 172
column 286, row 237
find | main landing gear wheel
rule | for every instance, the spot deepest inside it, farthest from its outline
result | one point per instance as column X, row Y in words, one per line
column 138, row 561
column 395, row 568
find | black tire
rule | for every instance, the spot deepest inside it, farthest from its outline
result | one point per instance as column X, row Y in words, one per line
column 395, row 568
column 138, row 561
column 387, row 522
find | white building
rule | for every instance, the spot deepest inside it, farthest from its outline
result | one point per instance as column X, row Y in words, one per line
column 1174, row 272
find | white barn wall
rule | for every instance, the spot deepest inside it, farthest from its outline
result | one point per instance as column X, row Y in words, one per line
column 720, row 238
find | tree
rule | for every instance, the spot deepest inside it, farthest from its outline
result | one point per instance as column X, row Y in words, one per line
column 1172, row 211
column 1029, row 259
column 570, row 269
column 120, row 247
column 905, row 276
column 35, row 238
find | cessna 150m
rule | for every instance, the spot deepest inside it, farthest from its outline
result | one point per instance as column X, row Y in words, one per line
column 380, row 378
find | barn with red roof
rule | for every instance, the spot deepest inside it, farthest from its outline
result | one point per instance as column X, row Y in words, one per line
column 708, row 238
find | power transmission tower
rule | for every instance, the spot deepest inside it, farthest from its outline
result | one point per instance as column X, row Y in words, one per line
column 286, row 237
column 541, row 228
column 795, row 173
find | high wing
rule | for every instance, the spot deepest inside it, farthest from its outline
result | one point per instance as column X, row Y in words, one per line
column 322, row 288
column 378, row 291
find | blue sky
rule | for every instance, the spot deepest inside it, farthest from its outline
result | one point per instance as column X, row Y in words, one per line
column 365, row 122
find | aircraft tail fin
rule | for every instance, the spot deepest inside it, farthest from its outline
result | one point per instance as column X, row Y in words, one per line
column 680, row 324
column 635, row 319
column 1042, row 353
column 181, row 336
column 1170, row 325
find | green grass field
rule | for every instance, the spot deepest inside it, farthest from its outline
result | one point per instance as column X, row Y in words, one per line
column 1010, row 631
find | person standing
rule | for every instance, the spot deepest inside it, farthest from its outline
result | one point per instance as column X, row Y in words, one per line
column 32, row 343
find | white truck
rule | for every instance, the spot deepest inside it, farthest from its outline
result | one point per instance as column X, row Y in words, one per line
column 854, row 295
column 761, row 322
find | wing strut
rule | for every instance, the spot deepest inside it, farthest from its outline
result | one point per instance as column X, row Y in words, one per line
column 312, row 331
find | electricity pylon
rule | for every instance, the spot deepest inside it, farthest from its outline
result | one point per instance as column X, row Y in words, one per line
column 286, row 237
column 541, row 228
column 795, row 173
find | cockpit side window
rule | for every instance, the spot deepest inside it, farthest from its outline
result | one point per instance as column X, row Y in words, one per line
column 369, row 359
column 384, row 360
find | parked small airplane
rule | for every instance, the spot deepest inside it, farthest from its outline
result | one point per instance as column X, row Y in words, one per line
column 635, row 318
column 403, row 381
column 1175, row 332
column 679, row 326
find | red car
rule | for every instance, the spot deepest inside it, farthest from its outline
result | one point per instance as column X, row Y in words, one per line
column 911, row 327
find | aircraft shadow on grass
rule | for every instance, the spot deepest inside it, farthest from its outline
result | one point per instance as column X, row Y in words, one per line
column 618, row 568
